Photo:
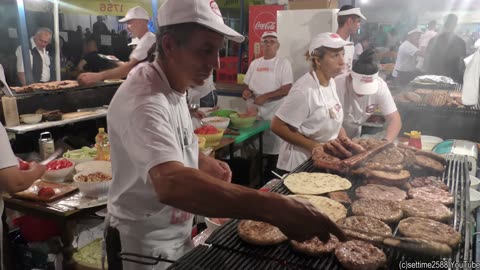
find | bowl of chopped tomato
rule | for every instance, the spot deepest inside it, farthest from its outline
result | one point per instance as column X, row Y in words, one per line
column 212, row 135
column 57, row 170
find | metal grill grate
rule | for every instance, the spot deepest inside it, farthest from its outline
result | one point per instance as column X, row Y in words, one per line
column 228, row 251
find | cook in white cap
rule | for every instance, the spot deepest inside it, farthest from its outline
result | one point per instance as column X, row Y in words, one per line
column 406, row 65
column 362, row 92
column 159, row 177
column 348, row 19
column 137, row 23
column 268, row 80
column 311, row 114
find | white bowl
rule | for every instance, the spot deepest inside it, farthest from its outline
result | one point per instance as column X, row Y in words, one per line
column 92, row 189
column 95, row 166
column 217, row 121
column 205, row 110
column 429, row 142
column 213, row 225
column 31, row 118
column 58, row 175
column 81, row 160
column 474, row 182
column 474, row 199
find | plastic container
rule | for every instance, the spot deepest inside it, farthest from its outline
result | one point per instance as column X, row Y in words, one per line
column 217, row 121
column 242, row 122
column 229, row 64
column 429, row 142
column 415, row 139
column 227, row 76
column 212, row 139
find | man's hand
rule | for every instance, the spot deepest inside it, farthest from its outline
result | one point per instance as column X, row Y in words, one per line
column 89, row 78
column 246, row 94
column 260, row 100
column 38, row 168
column 199, row 114
column 301, row 221
column 215, row 168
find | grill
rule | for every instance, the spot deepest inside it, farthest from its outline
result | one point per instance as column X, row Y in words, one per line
column 225, row 250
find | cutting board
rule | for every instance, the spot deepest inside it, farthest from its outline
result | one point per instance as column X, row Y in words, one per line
column 61, row 190
column 74, row 115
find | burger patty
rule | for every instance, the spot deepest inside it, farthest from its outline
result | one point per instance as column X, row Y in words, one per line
column 425, row 209
column 388, row 178
column 390, row 156
column 429, row 163
column 429, row 230
column 314, row 246
column 360, row 255
column 380, row 192
column 409, row 157
column 432, row 194
column 359, row 227
column 386, row 211
column 428, row 181
column 259, row 233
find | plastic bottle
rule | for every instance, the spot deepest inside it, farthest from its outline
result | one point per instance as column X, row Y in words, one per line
column 99, row 142
column 106, row 149
column 415, row 139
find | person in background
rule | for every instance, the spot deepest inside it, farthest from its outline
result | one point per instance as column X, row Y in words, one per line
column 39, row 58
column 405, row 67
column 312, row 112
column 392, row 39
column 348, row 19
column 198, row 94
column 362, row 45
column 361, row 93
column 14, row 177
column 88, row 34
column 446, row 51
column 268, row 80
column 133, row 44
column 423, row 42
column 92, row 61
column 159, row 178
column 99, row 27
column 137, row 23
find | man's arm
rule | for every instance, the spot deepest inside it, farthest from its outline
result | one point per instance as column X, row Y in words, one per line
column 114, row 73
column 280, row 92
column 394, row 125
column 13, row 180
column 291, row 134
column 196, row 192
column 21, row 77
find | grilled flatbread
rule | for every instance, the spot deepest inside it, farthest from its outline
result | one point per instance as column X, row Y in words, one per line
column 333, row 209
column 315, row 183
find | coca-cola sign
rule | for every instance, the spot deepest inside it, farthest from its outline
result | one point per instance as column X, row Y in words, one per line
column 265, row 21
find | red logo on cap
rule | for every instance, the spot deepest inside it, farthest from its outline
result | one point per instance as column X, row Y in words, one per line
column 214, row 7
column 366, row 79
column 264, row 22
column 334, row 35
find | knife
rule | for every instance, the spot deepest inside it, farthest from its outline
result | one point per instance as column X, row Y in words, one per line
column 417, row 245
column 53, row 156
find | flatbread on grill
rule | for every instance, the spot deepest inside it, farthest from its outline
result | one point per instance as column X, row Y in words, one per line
column 260, row 233
column 315, row 183
column 429, row 230
column 314, row 246
column 331, row 208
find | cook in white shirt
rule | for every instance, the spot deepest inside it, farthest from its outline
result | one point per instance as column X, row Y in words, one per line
column 268, row 81
column 312, row 112
column 423, row 42
column 361, row 93
column 159, row 178
column 405, row 67
column 137, row 23
column 12, row 179
column 38, row 42
column 348, row 19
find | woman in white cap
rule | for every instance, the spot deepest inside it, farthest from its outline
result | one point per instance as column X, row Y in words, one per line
column 312, row 113
column 406, row 66
column 361, row 93
column 160, row 180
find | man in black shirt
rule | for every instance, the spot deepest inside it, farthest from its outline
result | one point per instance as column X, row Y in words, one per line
column 92, row 61
column 446, row 51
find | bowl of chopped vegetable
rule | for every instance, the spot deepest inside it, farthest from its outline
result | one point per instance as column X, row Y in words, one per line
column 81, row 155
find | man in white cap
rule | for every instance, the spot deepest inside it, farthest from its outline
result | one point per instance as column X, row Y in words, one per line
column 137, row 23
column 423, row 42
column 405, row 67
column 348, row 19
column 159, row 178
column 268, row 80
column 362, row 92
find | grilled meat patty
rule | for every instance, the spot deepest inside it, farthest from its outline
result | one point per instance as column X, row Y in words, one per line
column 432, row 194
column 428, row 181
column 359, row 227
column 381, row 192
column 386, row 211
column 425, row 209
column 360, row 255
column 314, row 246
column 429, row 230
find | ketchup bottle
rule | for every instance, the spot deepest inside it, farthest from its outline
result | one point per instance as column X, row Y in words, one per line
column 415, row 139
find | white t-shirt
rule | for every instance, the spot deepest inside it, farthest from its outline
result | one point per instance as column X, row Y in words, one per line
column 146, row 119
column 358, row 109
column 307, row 108
column 425, row 38
column 264, row 76
column 144, row 44
column 348, row 58
column 7, row 158
column 405, row 58
column 358, row 51
column 45, row 61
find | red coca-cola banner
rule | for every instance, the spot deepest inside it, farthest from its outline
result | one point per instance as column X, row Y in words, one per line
column 261, row 19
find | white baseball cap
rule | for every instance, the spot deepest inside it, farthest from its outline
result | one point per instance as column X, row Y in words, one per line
column 134, row 41
column 352, row 11
column 204, row 12
column 364, row 84
column 416, row 30
column 329, row 40
column 135, row 13
column 269, row 34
